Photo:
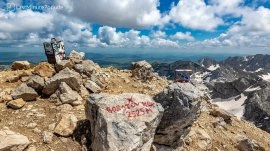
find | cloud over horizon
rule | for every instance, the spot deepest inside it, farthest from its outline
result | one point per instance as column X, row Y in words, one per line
column 185, row 24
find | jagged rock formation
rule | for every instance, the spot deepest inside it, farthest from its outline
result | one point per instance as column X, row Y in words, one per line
column 182, row 105
column 72, row 78
column 257, row 106
column 142, row 70
column 123, row 122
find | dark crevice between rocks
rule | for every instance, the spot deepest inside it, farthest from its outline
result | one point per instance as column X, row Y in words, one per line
column 82, row 134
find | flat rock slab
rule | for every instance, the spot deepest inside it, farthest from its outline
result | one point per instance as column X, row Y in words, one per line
column 11, row 141
column 123, row 122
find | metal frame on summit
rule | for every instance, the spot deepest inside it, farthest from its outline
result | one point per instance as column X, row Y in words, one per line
column 182, row 75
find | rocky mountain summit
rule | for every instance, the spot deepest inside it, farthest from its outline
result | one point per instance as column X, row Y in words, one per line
column 77, row 105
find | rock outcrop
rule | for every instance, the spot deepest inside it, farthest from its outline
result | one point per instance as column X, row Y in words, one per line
column 257, row 107
column 142, row 70
column 11, row 141
column 92, row 86
column 44, row 69
column 122, row 122
column 87, row 67
column 68, row 96
column 36, row 82
column 76, row 57
column 71, row 78
column 181, row 102
column 20, row 65
column 24, row 92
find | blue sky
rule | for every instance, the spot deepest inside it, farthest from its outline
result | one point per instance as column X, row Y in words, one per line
column 235, row 26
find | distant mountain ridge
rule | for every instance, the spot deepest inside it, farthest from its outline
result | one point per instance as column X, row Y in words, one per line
column 229, row 69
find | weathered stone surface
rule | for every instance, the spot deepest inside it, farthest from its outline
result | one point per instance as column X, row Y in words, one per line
column 181, row 102
column 203, row 140
column 76, row 57
column 64, row 107
column 71, row 78
column 44, row 69
column 67, row 95
column 64, row 64
column 14, row 78
column 122, row 122
column 24, row 92
column 5, row 96
column 84, row 92
column 36, row 82
column 16, row 104
column 249, row 145
column 92, row 86
column 142, row 70
column 47, row 137
column 20, row 65
column 66, row 124
column 87, row 67
column 11, row 141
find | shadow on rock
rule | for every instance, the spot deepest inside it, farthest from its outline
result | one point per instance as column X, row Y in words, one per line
column 82, row 134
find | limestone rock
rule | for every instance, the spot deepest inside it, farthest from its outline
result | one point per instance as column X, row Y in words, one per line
column 84, row 92
column 76, row 57
column 44, row 69
column 36, row 82
column 16, row 104
column 24, row 92
column 87, row 67
column 20, row 65
column 203, row 140
column 11, row 141
column 92, row 86
column 71, row 78
column 181, row 102
column 67, row 95
column 64, row 107
column 47, row 137
column 66, row 125
column 64, row 64
column 249, row 145
column 142, row 70
column 122, row 122
column 13, row 78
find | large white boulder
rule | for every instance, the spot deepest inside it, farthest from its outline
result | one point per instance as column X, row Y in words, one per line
column 123, row 122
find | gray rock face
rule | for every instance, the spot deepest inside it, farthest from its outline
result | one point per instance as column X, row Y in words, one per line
column 71, row 78
column 122, row 122
column 181, row 102
column 226, row 90
column 67, row 95
column 36, row 82
column 92, row 86
column 257, row 107
column 76, row 57
column 20, row 65
column 142, row 70
column 87, row 67
column 249, row 145
column 24, row 92
column 64, row 64
column 11, row 141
